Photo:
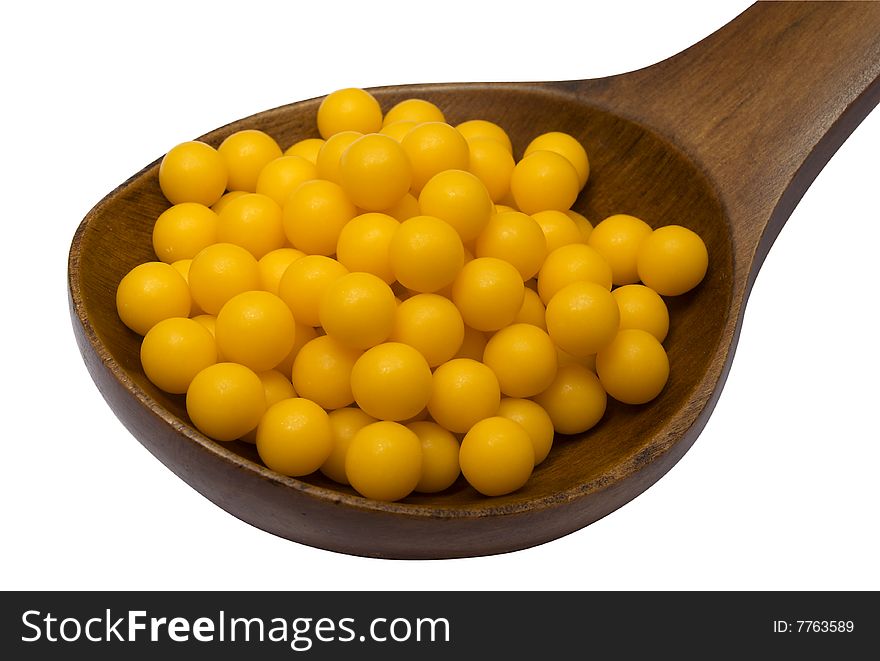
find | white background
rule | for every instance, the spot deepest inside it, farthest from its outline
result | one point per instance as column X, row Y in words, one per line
column 779, row 492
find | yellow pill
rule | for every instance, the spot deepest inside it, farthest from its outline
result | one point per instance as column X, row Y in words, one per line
column 174, row 351
column 406, row 208
column 397, row 130
column 294, row 437
column 277, row 387
column 544, row 180
column 364, row 244
column 460, row 199
column 481, row 129
column 559, row 229
column 426, row 254
column 184, row 229
column 374, row 172
column 303, row 285
column 252, row 221
column 192, row 172
column 302, row 336
column 634, row 368
column 575, row 262
column 516, row 238
column 220, row 204
column 584, row 226
column 282, row 176
column 246, row 153
column 464, row 392
column 575, row 401
column 314, row 216
column 532, row 310
column 358, row 310
column 430, row 323
column 492, row 164
column 272, row 266
column 322, row 372
column 473, row 345
column 225, row 401
column 384, row 461
column 496, row 456
column 565, row 358
column 618, row 239
column 567, row 146
column 209, row 323
column 414, row 110
column 440, row 451
column 433, row 147
column 672, row 260
column 534, row 419
column 582, row 318
column 349, row 109
column 307, row 148
column 489, row 293
column 149, row 293
column 329, row 157
column 523, row 358
column 256, row 329
column 391, row 381
column 344, row 424
column 219, row 272
column 641, row 307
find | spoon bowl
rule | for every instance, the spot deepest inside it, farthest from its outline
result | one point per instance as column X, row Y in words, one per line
column 652, row 156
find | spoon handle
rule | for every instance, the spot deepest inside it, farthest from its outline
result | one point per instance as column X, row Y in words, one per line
column 761, row 105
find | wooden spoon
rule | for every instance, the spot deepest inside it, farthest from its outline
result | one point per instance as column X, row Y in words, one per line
column 723, row 138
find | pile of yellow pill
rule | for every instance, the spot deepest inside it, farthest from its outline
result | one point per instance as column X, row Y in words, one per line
column 400, row 301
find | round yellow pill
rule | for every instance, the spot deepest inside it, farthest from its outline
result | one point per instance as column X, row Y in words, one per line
column 414, row 110
column 384, row 461
column 329, row 156
column 358, row 310
column 246, row 153
column 344, row 424
column 473, row 345
column 252, row 221
column 575, row 401
column 406, row 208
column 349, row 109
column 515, row 238
column 567, row 146
column 585, row 227
column 488, row 292
column 303, row 285
column 364, row 244
column 460, row 199
column 440, row 451
column 273, row 264
column 532, row 310
column 464, row 392
column 391, row 381
column 396, row 130
column 481, row 129
column 618, row 239
column 641, row 307
column 219, row 205
column 430, row 323
column 634, row 368
column 256, row 329
column 174, row 351
column 433, row 147
column 374, row 172
column 523, row 358
column 496, row 456
column 294, row 437
column 491, row 163
column 192, row 172
column 219, row 272
column 544, row 180
column 575, row 262
column 672, row 260
column 314, row 216
column 582, row 318
column 277, row 387
column 149, row 293
column 559, row 229
column 281, row 177
column 306, row 148
column 182, row 230
column 225, row 401
column 322, row 372
column 426, row 254
column 534, row 419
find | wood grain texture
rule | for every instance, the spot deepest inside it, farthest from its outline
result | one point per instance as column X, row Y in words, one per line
column 723, row 138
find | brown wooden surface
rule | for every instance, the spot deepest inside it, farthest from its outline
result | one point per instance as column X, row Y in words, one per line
column 723, row 138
